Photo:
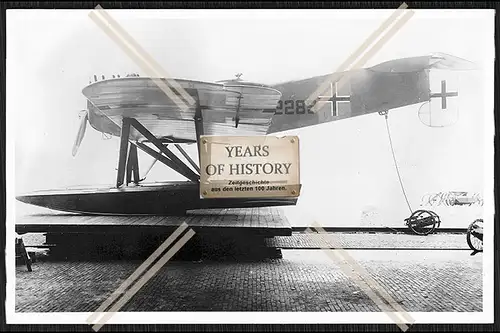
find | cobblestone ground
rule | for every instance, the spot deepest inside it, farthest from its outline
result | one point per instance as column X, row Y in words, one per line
column 304, row 280
column 371, row 240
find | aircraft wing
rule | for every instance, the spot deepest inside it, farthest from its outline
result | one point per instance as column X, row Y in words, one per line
column 389, row 85
column 227, row 109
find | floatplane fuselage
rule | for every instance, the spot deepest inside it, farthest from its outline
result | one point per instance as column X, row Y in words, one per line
column 146, row 114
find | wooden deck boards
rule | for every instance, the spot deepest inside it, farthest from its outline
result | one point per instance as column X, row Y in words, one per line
column 265, row 221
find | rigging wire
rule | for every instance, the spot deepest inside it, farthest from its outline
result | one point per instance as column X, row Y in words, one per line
column 386, row 114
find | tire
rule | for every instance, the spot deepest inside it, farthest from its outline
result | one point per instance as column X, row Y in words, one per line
column 416, row 216
column 474, row 243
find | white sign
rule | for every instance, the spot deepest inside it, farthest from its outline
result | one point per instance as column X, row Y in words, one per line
column 249, row 166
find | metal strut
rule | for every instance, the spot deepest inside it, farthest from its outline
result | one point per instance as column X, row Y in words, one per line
column 188, row 158
column 237, row 117
column 122, row 159
column 183, row 170
column 198, row 125
column 128, row 161
column 132, row 165
column 175, row 162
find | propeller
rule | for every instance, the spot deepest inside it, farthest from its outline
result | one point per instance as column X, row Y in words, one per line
column 81, row 133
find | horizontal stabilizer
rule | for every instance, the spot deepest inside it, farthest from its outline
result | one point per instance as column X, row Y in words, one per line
column 388, row 85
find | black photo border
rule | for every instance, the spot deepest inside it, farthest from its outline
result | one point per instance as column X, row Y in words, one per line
column 240, row 5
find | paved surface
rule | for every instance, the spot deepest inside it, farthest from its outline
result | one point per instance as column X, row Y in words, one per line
column 267, row 220
column 370, row 241
column 304, row 280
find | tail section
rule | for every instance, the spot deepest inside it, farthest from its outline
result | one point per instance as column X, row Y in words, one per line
column 383, row 87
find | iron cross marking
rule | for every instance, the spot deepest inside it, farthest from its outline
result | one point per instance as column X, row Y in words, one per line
column 334, row 99
column 444, row 94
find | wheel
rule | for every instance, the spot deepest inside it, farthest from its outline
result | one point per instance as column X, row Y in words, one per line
column 475, row 235
column 423, row 222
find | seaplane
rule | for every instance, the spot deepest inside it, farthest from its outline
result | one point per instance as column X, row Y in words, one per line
column 145, row 114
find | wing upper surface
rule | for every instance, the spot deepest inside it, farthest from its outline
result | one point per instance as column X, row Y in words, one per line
column 227, row 109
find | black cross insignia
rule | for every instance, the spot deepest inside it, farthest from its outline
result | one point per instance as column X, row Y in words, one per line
column 443, row 94
column 334, row 99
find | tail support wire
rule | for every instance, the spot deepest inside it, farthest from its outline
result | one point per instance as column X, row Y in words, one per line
column 386, row 116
